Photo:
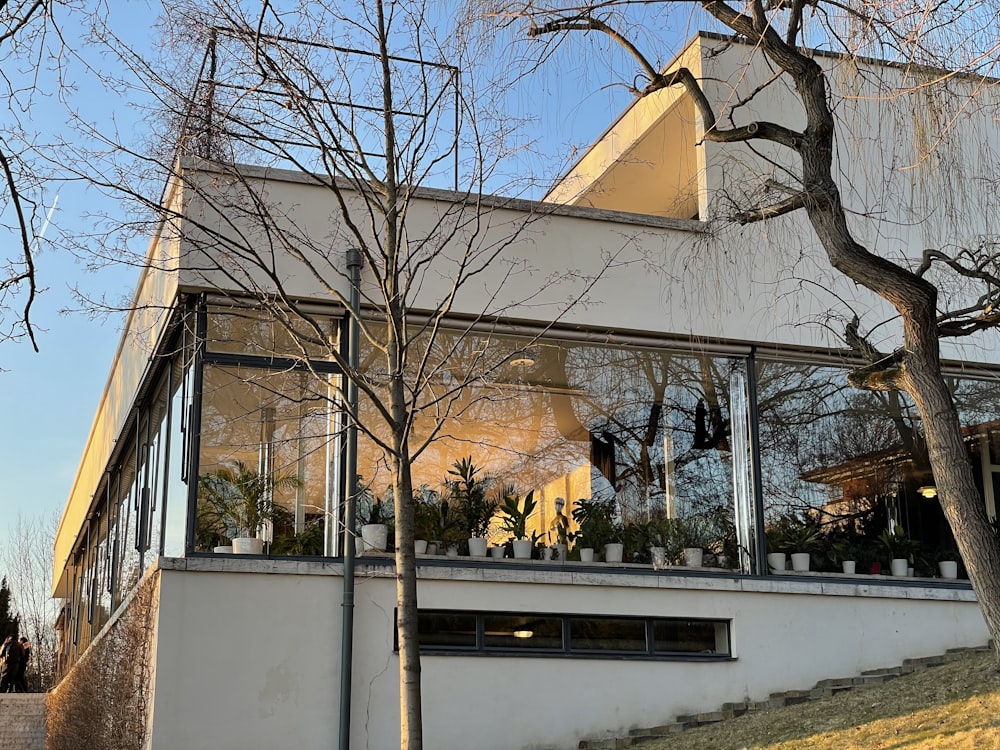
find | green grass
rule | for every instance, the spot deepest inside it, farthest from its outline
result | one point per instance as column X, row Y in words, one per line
column 954, row 706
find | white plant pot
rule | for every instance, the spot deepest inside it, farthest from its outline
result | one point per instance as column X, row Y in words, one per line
column 776, row 562
column 522, row 549
column 420, row 546
column 546, row 553
column 613, row 552
column 849, row 567
column 693, row 556
column 432, row 548
column 248, row 545
column 559, row 552
column 477, row 546
column 496, row 552
column 375, row 537
column 948, row 569
column 659, row 557
column 223, row 549
column 586, row 554
column 452, row 551
column 899, row 566
column 800, row 562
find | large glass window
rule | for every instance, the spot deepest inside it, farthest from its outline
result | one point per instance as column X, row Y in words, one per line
column 267, row 458
column 846, row 472
column 645, row 432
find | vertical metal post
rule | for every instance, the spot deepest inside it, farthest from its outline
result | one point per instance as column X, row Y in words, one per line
column 758, row 484
column 355, row 261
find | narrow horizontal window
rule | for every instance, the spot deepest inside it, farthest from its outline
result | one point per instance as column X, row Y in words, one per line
column 572, row 635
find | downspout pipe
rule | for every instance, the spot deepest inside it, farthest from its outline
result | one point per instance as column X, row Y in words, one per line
column 355, row 262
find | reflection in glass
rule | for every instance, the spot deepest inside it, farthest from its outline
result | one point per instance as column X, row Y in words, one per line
column 607, row 634
column 278, row 425
column 690, row 636
column 446, row 630
column 648, row 429
column 522, row 632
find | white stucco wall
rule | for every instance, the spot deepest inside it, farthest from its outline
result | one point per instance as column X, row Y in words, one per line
column 252, row 658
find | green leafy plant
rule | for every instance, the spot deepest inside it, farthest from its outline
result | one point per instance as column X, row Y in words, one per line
column 373, row 509
column 804, row 536
column 426, row 513
column 446, row 526
column 309, row 541
column 596, row 524
column 469, row 495
column 694, row 531
column 241, row 498
column 514, row 513
column 897, row 545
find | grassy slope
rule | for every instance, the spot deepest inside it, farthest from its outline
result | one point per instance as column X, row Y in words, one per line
column 955, row 706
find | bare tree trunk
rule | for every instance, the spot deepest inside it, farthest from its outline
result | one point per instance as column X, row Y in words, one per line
column 953, row 473
column 410, row 709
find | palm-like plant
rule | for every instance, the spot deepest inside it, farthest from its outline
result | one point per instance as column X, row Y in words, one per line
column 242, row 497
column 514, row 514
column 468, row 492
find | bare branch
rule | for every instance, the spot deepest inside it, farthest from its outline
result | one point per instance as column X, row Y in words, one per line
column 792, row 203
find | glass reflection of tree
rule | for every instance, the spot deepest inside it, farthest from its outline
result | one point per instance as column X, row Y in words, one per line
column 828, row 448
column 666, row 415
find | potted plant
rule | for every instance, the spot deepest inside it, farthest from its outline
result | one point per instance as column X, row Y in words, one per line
column 243, row 500
column 470, row 499
column 596, row 527
column 514, row 515
column 447, row 528
column 803, row 538
column 899, row 548
column 375, row 515
column 693, row 534
column 308, row 542
column 844, row 553
column 425, row 513
column 776, row 535
column 947, row 561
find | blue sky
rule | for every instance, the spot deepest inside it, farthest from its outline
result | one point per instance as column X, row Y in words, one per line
column 48, row 399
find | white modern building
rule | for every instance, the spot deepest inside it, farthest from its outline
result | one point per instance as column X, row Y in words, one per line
column 622, row 345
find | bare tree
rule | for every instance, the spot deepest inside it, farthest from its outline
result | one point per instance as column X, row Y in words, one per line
column 367, row 122
column 930, row 294
column 27, row 560
column 25, row 26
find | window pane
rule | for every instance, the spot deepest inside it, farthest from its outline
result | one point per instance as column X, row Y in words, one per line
column 256, row 333
column 520, row 631
column 267, row 443
column 689, row 636
column 607, row 634
column 446, row 630
column 646, row 430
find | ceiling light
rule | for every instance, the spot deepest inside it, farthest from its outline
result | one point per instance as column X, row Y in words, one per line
column 928, row 490
column 523, row 633
column 522, row 362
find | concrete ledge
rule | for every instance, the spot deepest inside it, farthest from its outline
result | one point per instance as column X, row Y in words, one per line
column 599, row 574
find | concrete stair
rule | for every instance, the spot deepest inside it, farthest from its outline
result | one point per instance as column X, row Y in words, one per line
column 823, row 689
column 22, row 721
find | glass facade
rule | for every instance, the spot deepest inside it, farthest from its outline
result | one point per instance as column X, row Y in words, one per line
column 240, row 431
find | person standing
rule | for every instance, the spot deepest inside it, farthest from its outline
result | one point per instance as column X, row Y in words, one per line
column 22, row 668
column 12, row 654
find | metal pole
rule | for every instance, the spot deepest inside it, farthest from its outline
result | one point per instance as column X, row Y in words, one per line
column 758, row 484
column 355, row 261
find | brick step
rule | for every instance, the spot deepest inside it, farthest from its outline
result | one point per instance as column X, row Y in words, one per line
column 824, row 688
